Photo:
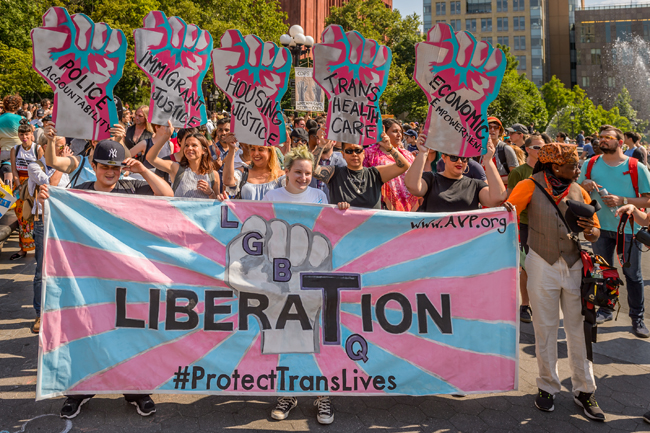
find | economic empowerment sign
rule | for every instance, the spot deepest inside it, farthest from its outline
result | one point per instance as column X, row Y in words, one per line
column 163, row 295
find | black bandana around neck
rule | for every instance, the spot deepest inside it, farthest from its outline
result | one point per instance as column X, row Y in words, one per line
column 558, row 185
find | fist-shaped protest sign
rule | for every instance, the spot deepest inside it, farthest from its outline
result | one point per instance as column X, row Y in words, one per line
column 460, row 77
column 264, row 263
column 353, row 71
column 254, row 75
column 175, row 56
column 82, row 61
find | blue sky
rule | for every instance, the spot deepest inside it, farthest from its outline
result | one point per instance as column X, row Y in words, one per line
column 407, row 7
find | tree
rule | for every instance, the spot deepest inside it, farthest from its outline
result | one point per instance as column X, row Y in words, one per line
column 519, row 101
column 624, row 104
column 556, row 96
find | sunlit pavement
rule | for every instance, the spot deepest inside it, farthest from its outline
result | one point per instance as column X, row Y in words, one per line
column 622, row 369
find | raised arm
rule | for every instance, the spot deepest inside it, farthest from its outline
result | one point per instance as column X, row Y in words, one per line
column 163, row 134
column 322, row 172
column 413, row 179
column 159, row 186
column 139, row 148
column 66, row 164
column 229, row 161
column 496, row 192
column 391, row 171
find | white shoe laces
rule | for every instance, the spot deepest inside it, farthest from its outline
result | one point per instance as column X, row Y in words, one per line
column 323, row 404
column 284, row 403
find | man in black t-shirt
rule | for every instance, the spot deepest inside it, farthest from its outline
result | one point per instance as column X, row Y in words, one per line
column 355, row 184
column 108, row 160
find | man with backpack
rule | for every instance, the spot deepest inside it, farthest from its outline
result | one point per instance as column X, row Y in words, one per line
column 615, row 179
column 505, row 157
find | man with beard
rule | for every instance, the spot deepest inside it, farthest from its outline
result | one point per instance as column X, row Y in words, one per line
column 611, row 174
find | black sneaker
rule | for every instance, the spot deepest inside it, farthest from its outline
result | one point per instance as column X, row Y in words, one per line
column 545, row 401
column 72, row 406
column 603, row 316
column 639, row 329
column 284, row 406
column 325, row 411
column 646, row 417
column 588, row 403
column 525, row 314
column 144, row 405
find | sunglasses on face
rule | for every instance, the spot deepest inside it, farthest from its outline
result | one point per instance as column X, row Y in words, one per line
column 607, row 137
column 454, row 158
column 497, row 127
column 351, row 151
column 534, row 147
column 298, row 140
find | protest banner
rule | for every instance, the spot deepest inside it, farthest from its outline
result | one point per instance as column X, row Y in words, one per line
column 308, row 95
column 274, row 298
column 460, row 77
column 255, row 76
column 353, row 72
column 82, row 61
column 175, row 56
column 6, row 201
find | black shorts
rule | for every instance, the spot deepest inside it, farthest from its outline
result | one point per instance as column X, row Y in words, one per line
column 523, row 237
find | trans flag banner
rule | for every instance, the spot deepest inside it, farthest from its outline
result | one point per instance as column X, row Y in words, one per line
column 165, row 295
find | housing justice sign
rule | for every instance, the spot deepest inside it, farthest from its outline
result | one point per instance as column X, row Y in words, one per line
column 274, row 298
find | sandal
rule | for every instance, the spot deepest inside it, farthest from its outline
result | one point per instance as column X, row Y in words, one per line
column 18, row 256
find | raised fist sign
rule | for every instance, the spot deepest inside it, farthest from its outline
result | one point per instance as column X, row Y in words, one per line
column 460, row 77
column 353, row 72
column 82, row 61
column 255, row 76
column 263, row 264
column 175, row 56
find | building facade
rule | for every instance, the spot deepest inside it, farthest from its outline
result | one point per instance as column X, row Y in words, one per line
column 612, row 51
column 311, row 14
column 519, row 24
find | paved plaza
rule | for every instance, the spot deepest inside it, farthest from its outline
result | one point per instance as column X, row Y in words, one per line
column 622, row 369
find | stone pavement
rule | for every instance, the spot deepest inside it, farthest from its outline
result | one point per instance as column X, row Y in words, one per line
column 622, row 369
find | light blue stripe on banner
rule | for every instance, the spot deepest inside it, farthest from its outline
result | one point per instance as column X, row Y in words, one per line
column 223, row 359
column 410, row 379
column 300, row 364
column 377, row 230
column 69, row 364
column 294, row 213
column 494, row 249
column 105, row 231
column 494, row 338
column 64, row 292
column 206, row 214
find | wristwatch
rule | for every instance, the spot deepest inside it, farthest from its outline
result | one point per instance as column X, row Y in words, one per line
column 624, row 200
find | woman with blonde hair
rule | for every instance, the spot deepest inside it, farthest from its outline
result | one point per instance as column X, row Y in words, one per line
column 253, row 182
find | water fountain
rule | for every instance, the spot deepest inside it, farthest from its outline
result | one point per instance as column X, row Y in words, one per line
column 561, row 121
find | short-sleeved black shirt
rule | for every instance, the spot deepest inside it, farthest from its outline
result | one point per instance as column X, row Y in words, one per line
column 139, row 187
column 451, row 195
column 360, row 188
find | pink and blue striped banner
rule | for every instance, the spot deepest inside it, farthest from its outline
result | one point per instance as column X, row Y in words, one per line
column 165, row 295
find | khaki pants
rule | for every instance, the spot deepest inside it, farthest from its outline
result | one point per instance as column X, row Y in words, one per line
column 551, row 287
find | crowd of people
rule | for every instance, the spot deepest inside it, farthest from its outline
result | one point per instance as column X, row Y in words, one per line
column 522, row 170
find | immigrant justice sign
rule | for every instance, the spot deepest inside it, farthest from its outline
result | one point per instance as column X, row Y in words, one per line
column 274, row 299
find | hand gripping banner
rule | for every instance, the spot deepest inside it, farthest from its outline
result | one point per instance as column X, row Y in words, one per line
column 274, row 299
column 82, row 61
column 175, row 57
column 255, row 76
column 460, row 77
column 353, row 72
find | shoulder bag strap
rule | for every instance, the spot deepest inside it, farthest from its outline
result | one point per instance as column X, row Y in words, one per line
column 73, row 180
column 501, row 151
column 590, row 166
column 242, row 182
column 178, row 177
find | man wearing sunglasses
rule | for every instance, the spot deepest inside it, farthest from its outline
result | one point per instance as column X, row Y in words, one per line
column 561, row 137
column 505, row 157
column 532, row 145
column 355, row 184
column 518, row 135
column 299, row 137
column 612, row 172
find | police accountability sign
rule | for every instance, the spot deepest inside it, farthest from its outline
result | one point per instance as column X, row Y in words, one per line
column 274, row 298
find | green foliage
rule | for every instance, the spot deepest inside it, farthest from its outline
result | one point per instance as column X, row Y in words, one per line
column 556, row 96
column 17, row 75
column 511, row 60
column 624, row 104
column 519, row 101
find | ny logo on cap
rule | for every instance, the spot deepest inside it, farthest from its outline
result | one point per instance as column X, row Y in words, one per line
column 112, row 153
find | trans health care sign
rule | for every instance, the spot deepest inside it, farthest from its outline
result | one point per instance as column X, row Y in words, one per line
column 274, row 299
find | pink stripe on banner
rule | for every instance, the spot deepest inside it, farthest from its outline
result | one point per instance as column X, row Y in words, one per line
column 60, row 327
column 154, row 368
column 246, row 209
column 169, row 222
column 84, row 261
column 333, row 359
column 335, row 224
column 411, row 245
column 256, row 364
column 477, row 372
column 470, row 297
